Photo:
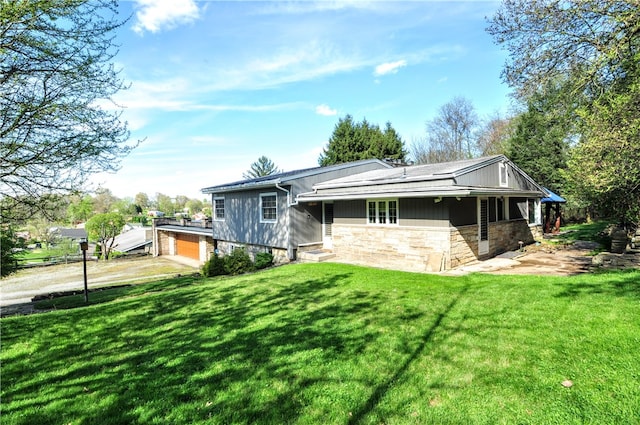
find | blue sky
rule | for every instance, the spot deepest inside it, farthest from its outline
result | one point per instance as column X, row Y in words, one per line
column 215, row 85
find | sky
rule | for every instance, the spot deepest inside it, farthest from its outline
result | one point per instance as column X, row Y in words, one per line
column 214, row 85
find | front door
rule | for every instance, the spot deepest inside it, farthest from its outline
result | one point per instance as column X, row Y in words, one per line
column 327, row 225
column 483, row 226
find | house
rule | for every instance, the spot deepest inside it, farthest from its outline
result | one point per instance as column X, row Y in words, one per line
column 417, row 218
column 429, row 217
column 263, row 214
column 134, row 240
column 186, row 238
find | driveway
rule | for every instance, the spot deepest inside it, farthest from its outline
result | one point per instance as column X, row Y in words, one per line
column 21, row 287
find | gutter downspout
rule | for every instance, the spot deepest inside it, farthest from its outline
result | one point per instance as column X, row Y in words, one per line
column 290, row 252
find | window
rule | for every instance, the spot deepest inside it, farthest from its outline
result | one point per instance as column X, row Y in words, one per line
column 535, row 215
column 218, row 208
column 382, row 212
column 504, row 175
column 268, row 207
column 500, row 209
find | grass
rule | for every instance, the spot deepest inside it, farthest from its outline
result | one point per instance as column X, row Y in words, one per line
column 594, row 231
column 332, row 344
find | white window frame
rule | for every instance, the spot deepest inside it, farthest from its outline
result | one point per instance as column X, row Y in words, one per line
column 385, row 216
column 215, row 210
column 262, row 211
column 503, row 171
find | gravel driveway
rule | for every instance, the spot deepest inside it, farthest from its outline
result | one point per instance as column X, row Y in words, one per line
column 20, row 287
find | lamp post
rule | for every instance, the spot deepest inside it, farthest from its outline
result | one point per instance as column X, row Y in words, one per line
column 84, row 245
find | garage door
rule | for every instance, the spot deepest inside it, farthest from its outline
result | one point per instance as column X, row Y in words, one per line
column 188, row 246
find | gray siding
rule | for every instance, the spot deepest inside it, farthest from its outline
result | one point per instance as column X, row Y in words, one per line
column 489, row 176
column 295, row 225
column 423, row 212
column 306, row 223
column 350, row 212
column 242, row 220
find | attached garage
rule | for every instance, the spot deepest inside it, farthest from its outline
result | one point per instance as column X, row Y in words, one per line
column 188, row 245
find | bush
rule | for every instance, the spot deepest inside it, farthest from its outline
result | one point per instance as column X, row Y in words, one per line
column 215, row 266
column 263, row 260
column 238, row 262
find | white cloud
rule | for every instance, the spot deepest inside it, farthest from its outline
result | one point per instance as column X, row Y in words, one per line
column 389, row 67
column 325, row 110
column 156, row 15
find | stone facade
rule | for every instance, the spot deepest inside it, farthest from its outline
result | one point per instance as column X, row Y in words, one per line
column 464, row 245
column 279, row 255
column 423, row 249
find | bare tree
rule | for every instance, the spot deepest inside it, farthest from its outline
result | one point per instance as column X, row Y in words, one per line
column 450, row 135
column 493, row 135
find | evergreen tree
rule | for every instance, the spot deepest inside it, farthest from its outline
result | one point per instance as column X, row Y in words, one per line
column 262, row 167
column 357, row 141
column 539, row 143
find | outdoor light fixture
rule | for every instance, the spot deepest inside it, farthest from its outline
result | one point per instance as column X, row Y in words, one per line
column 84, row 246
column 438, row 199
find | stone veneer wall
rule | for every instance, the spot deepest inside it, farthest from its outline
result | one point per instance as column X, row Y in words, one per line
column 506, row 236
column 464, row 245
column 164, row 241
column 421, row 249
column 503, row 236
column 425, row 249
column 279, row 255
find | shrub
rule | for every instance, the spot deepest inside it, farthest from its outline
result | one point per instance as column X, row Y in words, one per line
column 215, row 266
column 263, row 260
column 238, row 262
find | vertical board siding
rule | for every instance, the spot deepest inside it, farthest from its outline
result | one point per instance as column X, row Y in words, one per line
column 423, row 212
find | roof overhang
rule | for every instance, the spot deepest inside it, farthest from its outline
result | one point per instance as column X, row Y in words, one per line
column 242, row 187
column 432, row 192
column 206, row 231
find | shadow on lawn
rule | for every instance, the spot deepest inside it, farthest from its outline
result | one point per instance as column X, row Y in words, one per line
column 384, row 387
column 200, row 354
column 625, row 283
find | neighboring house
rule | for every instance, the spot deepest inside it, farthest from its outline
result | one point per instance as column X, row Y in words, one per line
column 183, row 237
column 263, row 214
column 73, row 234
column 134, row 239
column 429, row 217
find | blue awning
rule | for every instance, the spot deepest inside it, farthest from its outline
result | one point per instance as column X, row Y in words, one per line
column 552, row 197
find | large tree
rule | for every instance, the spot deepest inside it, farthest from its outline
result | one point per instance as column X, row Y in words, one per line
column 353, row 141
column 57, row 122
column 451, row 134
column 593, row 47
column 262, row 167
column 539, row 143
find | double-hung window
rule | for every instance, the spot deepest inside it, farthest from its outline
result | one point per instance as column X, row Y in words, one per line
column 268, row 207
column 382, row 211
column 218, row 208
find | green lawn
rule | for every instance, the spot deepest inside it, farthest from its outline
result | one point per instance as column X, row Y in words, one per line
column 332, row 344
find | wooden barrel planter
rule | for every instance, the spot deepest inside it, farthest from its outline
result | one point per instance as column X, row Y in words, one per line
column 618, row 241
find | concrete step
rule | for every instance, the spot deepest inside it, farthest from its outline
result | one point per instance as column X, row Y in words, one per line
column 317, row 255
